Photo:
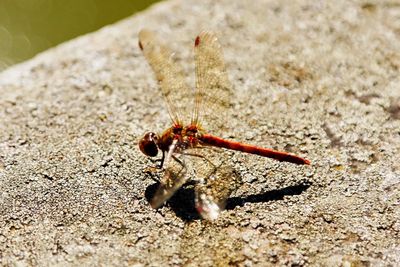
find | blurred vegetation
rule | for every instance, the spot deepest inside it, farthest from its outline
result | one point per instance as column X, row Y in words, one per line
column 30, row 26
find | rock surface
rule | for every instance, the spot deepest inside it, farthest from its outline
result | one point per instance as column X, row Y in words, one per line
column 315, row 78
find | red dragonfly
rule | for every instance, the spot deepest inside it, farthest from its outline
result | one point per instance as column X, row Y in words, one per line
column 187, row 149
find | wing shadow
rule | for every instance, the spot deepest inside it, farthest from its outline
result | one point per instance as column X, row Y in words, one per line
column 182, row 203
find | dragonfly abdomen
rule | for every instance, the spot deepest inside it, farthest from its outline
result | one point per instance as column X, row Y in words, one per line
column 265, row 152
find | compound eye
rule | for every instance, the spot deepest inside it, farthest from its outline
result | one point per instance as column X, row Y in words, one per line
column 148, row 144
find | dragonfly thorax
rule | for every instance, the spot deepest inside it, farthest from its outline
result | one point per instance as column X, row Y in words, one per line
column 185, row 137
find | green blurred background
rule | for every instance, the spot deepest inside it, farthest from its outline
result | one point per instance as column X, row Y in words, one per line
column 30, row 26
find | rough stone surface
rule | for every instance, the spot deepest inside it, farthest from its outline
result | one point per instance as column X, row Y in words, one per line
column 318, row 78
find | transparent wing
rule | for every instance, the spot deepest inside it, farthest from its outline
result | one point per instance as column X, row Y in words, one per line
column 175, row 176
column 215, row 180
column 211, row 196
column 169, row 76
column 213, row 90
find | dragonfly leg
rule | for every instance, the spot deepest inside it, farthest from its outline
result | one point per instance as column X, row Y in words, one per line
column 160, row 166
column 158, row 162
column 152, row 172
column 155, row 179
column 179, row 161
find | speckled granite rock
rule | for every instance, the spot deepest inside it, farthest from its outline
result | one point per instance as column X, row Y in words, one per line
column 315, row 78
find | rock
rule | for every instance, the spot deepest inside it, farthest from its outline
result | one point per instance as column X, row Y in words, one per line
column 320, row 78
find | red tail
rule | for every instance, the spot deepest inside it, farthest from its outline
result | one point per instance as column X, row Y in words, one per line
column 265, row 152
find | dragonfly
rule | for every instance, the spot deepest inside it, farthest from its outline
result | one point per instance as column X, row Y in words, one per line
column 188, row 149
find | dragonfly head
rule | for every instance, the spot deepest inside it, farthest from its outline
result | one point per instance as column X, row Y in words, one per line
column 148, row 144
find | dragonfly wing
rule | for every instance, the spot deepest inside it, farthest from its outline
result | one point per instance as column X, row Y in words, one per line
column 168, row 74
column 215, row 179
column 172, row 181
column 213, row 90
column 175, row 176
column 211, row 195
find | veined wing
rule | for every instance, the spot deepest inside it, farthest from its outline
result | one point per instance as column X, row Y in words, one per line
column 211, row 195
column 213, row 89
column 175, row 176
column 216, row 180
column 169, row 76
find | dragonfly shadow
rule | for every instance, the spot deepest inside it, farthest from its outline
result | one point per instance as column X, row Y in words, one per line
column 272, row 195
column 182, row 203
